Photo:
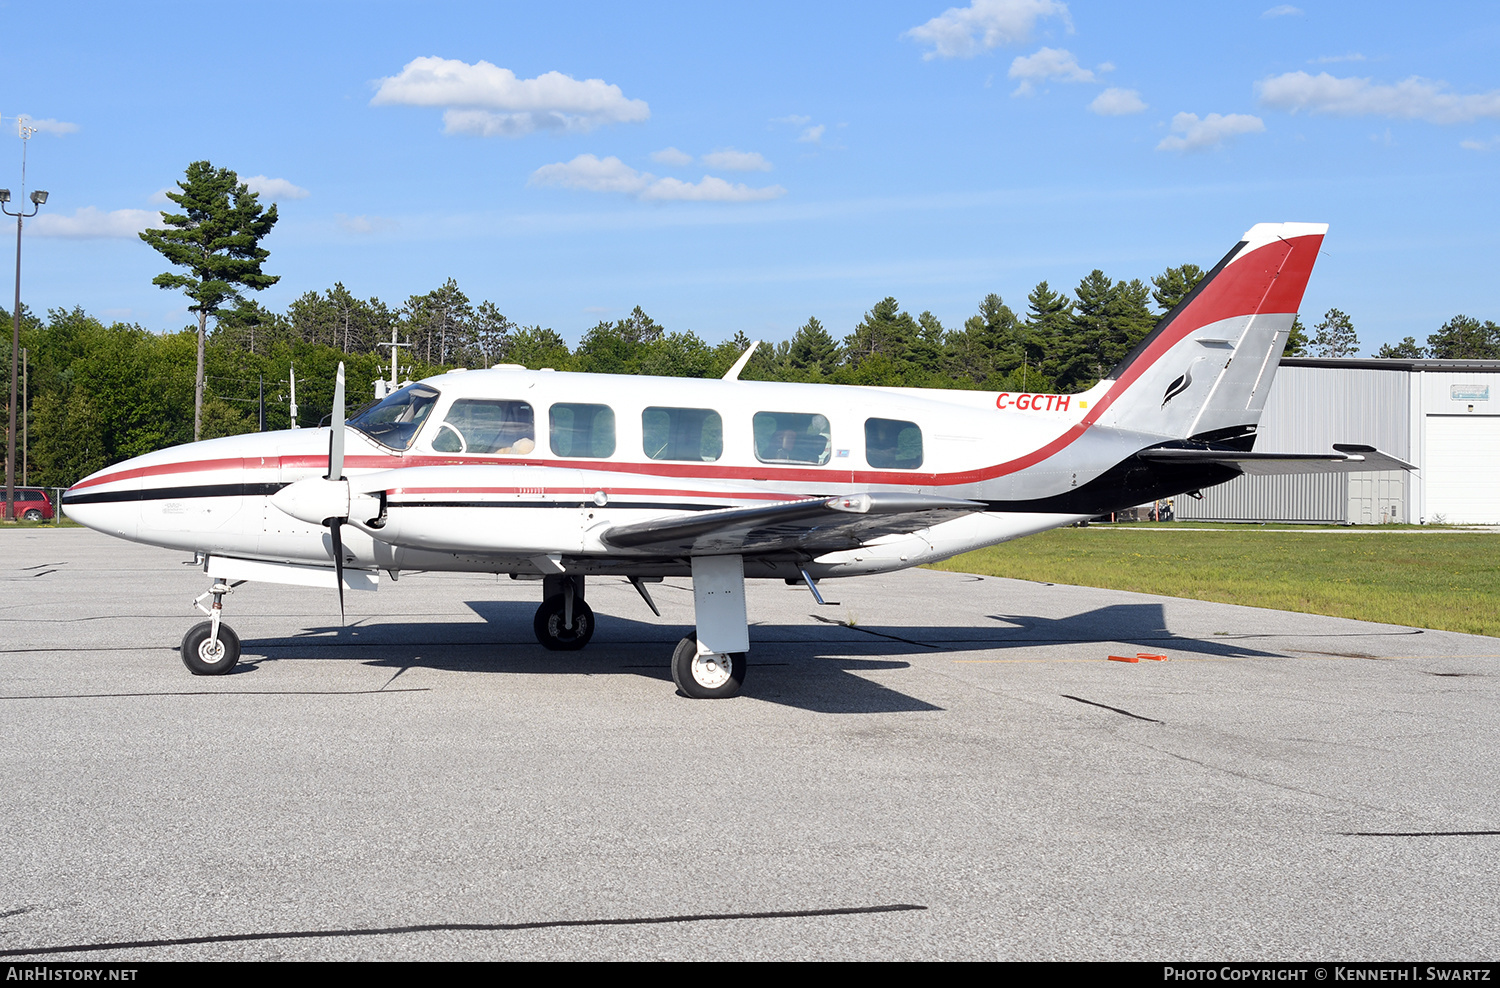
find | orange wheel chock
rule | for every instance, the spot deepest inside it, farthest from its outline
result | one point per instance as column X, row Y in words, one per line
column 1123, row 658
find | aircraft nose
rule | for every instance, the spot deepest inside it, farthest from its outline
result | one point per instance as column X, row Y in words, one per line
column 108, row 501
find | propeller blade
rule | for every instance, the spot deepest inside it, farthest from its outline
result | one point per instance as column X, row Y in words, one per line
column 336, row 435
column 338, row 561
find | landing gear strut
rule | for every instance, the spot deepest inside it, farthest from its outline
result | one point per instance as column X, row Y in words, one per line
column 211, row 648
column 710, row 665
column 564, row 623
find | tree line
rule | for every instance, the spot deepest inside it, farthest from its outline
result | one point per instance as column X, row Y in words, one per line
column 102, row 393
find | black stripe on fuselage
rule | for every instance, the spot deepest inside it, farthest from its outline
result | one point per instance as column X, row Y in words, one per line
column 653, row 505
column 172, row 493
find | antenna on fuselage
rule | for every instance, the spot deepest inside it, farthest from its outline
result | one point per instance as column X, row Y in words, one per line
column 294, row 398
column 733, row 374
column 381, row 387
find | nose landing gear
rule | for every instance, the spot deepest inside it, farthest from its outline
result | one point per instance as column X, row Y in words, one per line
column 211, row 648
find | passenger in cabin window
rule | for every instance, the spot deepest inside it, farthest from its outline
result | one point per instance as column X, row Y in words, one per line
column 792, row 437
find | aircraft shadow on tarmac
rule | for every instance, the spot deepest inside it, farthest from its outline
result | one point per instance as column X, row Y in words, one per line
column 805, row 666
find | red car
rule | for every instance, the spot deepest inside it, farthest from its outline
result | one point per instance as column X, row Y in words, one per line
column 31, row 504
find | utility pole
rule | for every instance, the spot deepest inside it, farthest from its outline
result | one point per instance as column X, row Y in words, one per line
column 382, row 392
column 25, row 420
column 37, row 199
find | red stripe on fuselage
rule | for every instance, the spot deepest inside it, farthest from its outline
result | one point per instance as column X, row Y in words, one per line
column 1269, row 279
column 612, row 491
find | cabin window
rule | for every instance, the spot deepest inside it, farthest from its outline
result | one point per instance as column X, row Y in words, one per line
column 480, row 426
column 583, row 430
column 792, row 437
column 394, row 421
column 893, row 443
column 693, row 434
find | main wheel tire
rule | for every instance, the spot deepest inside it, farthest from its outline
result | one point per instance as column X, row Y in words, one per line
column 33, row 514
column 706, row 677
column 549, row 628
column 201, row 656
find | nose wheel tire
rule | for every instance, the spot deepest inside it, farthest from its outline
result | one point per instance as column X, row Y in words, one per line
column 552, row 631
column 706, row 677
column 205, row 657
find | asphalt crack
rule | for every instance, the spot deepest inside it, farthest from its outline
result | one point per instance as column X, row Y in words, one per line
column 459, row 928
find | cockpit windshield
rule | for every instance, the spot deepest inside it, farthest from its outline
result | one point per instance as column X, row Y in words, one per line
column 395, row 421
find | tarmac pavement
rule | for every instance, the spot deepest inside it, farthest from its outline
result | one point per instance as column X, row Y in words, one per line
column 941, row 766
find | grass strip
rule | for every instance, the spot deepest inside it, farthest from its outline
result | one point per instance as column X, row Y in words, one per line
column 1448, row 581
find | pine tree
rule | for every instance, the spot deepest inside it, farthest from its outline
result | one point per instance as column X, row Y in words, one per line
column 1175, row 284
column 813, row 352
column 1335, row 335
column 1464, row 338
column 217, row 239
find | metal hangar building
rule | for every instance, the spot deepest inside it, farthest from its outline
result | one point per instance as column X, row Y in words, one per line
column 1442, row 415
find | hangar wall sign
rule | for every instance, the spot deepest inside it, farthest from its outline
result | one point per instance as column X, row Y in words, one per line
column 1469, row 392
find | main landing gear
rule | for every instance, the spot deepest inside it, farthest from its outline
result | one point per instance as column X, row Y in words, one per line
column 564, row 623
column 707, row 665
column 211, row 648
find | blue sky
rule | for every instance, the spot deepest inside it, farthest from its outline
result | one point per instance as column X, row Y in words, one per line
column 745, row 166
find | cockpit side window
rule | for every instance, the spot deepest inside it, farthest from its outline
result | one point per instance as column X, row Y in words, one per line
column 480, row 426
column 395, row 422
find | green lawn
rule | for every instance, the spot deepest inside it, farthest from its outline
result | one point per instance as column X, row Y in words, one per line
column 1432, row 579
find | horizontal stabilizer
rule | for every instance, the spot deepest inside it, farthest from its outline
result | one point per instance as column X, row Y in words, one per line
column 1346, row 458
column 816, row 525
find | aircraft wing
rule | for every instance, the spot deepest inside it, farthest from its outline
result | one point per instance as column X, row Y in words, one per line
column 816, row 525
column 1346, row 458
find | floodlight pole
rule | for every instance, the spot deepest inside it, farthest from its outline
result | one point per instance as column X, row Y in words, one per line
column 37, row 198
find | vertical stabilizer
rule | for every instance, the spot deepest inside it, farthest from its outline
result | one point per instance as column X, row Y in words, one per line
column 1206, row 369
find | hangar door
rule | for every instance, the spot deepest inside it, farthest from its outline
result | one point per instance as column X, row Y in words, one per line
column 1462, row 475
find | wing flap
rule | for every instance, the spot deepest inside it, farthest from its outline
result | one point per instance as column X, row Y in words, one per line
column 1346, row 458
column 815, row 525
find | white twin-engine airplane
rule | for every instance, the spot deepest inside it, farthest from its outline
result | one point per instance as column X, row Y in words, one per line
column 559, row 477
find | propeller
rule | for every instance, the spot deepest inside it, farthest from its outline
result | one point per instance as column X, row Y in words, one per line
column 329, row 500
column 336, row 474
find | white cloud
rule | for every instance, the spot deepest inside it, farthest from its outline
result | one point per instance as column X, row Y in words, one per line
column 592, row 174
column 812, row 135
column 1192, row 134
column 90, row 223
column 1115, row 102
column 1488, row 145
column 489, row 101
column 363, row 225
column 1047, row 63
column 275, row 188
column 711, row 189
column 159, row 197
column 671, row 156
column 1411, row 99
column 58, row 127
column 737, row 161
column 1283, row 10
column 962, row 32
